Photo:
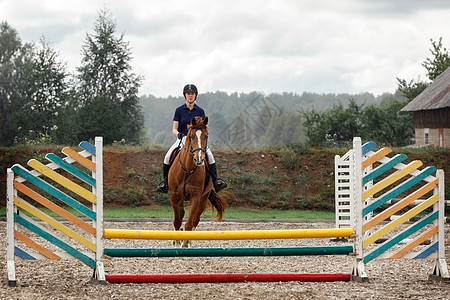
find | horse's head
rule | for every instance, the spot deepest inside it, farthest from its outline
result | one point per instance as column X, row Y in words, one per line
column 197, row 138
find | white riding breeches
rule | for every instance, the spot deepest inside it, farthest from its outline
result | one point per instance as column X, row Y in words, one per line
column 177, row 143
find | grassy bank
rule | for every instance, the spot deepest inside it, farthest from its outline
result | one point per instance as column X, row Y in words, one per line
column 231, row 213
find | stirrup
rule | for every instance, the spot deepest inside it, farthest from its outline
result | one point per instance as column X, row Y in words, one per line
column 220, row 184
column 162, row 188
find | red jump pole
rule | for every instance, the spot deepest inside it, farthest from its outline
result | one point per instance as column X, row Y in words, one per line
column 225, row 277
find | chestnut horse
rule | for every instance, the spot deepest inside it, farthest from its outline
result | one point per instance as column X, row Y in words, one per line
column 187, row 177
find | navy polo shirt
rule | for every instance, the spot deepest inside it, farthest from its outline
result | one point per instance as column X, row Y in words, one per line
column 184, row 116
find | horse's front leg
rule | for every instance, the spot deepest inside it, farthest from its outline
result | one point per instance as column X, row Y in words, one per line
column 196, row 209
column 178, row 212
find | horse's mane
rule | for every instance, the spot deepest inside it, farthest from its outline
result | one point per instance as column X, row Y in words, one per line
column 197, row 122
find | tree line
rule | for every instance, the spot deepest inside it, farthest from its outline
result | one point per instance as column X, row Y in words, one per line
column 256, row 120
column 40, row 102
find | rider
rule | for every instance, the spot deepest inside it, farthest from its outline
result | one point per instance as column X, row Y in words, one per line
column 182, row 117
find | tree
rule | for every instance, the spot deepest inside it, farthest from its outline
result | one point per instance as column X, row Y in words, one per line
column 314, row 126
column 440, row 61
column 435, row 66
column 108, row 90
column 334, row 126
column 411, row 89
column 388, row 125
column 15, row 64
column 45, row 96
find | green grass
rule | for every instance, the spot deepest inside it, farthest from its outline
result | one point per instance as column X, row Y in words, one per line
column 231, row 213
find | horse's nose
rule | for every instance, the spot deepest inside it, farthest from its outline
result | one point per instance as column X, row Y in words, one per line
column 198, row 161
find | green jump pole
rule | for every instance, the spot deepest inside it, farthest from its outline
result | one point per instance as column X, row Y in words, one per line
column 206, row 252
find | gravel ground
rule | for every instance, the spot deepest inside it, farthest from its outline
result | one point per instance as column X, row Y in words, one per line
column 389, row 279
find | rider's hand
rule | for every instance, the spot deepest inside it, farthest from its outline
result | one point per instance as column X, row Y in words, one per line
column 180, row 135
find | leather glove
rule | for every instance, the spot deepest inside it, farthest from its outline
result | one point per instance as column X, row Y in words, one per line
column 180, row 136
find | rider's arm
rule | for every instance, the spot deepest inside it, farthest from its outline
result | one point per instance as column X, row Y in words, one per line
column 175, row 127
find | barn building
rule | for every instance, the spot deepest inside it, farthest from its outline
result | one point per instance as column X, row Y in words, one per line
column 431, row 113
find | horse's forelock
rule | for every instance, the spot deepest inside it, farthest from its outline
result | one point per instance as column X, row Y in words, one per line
column 199, row 122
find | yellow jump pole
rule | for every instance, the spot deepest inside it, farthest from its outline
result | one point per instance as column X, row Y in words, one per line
column 227, row 235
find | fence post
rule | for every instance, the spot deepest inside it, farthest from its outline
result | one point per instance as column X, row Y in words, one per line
column 99, row 273
column 10, row 228
column 358, row 272
column 440, row 270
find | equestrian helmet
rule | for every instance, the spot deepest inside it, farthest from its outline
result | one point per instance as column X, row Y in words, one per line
column 190, row 88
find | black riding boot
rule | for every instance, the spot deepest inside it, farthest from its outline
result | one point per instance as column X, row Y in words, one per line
column 164, row 186
column 218, row 186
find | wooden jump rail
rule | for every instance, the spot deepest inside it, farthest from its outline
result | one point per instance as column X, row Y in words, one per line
column 214, row 252
column 218, row 277
column 226, row 235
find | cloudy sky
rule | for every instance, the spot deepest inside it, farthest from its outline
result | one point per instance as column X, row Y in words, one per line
column 322, row 46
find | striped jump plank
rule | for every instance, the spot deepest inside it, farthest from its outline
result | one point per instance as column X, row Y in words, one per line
column 384, row 168
column 71, row 169
column 369, row 146
column 423, row 237
column 21, row 171
column 32, row 244
column 225, row 277
column 65, row 182
column 213, row 252
column 400, row 205
column 88, row 147
column 79, row 158
column 22, row 254
column 428, row 251
column 392, row 179
column 375, row 157
column 55, row 224
column 405, row 217
column 54, row 240
column 53, row 207
column 398, row 190
column 402, row 235
column 227, row 235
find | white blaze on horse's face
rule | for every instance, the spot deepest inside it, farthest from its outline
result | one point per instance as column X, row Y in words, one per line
column 200, row 158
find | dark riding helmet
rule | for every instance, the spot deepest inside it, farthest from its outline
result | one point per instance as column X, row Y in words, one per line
column 190, row 88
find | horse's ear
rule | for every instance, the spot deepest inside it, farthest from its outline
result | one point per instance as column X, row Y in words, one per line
column 205, row 121
column 193, row 121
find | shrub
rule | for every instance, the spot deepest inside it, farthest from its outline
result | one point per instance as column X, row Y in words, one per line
column 131, row 173
column 259, row 201
column 111, row 194
column 289, row 160
column 161, row 199
column 134, row 196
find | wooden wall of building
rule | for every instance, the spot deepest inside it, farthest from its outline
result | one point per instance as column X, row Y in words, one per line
column 437, row 118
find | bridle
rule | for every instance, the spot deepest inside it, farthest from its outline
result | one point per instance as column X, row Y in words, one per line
column 192, row 151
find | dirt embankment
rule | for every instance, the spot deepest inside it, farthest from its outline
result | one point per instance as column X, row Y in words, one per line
column 283, row 177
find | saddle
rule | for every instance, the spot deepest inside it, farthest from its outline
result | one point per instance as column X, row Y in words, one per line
column 174, row 155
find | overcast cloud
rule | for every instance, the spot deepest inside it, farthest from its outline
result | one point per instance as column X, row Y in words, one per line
column 344, row 46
